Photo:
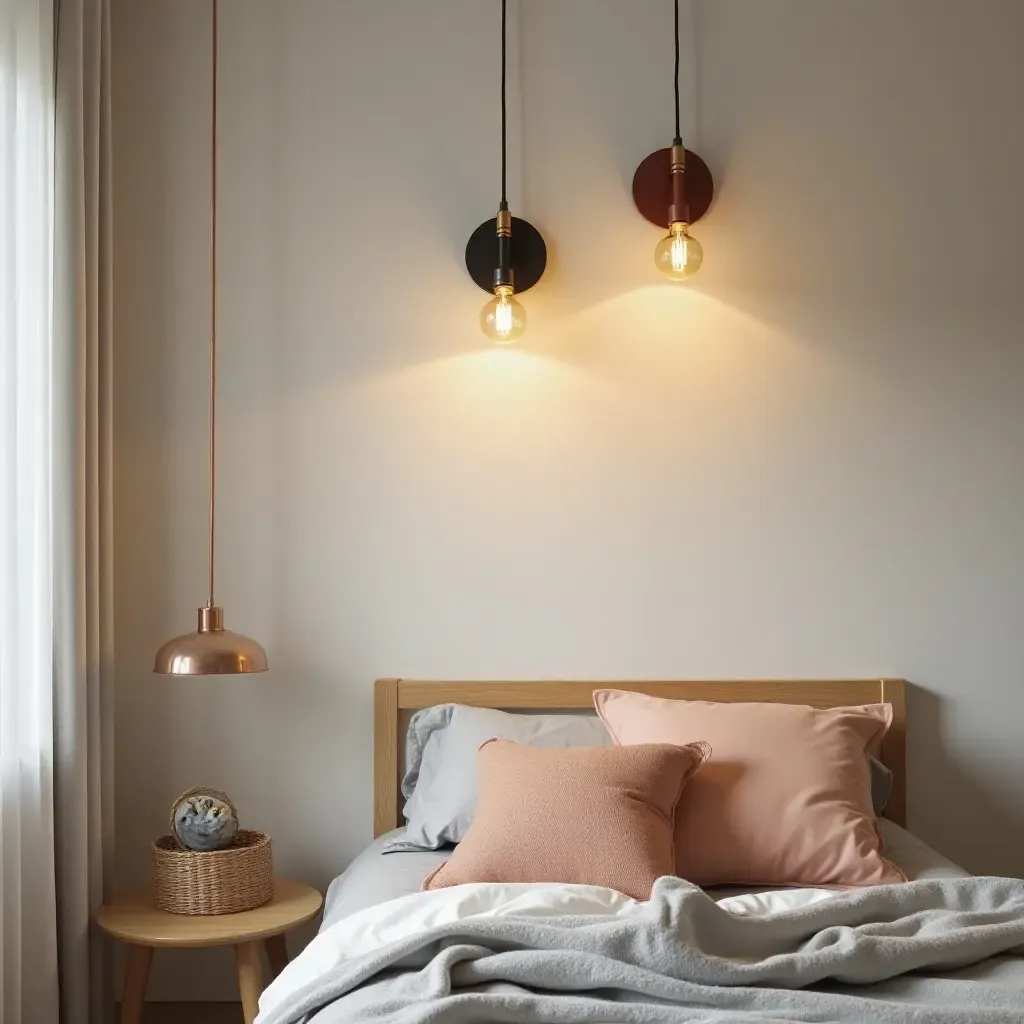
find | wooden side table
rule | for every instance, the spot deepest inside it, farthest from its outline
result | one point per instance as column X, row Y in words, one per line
column 144, row 928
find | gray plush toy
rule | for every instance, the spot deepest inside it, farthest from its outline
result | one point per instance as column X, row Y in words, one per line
column 205, row 821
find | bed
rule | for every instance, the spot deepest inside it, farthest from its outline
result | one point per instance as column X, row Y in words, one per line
column 373, row 878
column 946, row 947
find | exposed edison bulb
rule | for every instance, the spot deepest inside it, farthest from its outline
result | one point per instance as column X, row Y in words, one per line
column 678, row 255
column 503, row 319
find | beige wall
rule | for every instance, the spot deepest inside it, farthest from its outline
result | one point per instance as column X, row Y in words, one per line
column 809, row 463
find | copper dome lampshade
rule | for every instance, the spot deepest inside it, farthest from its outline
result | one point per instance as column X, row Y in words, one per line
column 211, row 650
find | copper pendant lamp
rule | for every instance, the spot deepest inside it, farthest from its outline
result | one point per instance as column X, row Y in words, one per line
column 211, row 650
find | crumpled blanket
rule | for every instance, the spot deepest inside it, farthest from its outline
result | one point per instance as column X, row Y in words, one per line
column 942, row 951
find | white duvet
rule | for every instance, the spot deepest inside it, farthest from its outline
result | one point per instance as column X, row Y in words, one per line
column 385, row 923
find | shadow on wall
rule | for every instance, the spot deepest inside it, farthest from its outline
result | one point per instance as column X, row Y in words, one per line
column 949, row 794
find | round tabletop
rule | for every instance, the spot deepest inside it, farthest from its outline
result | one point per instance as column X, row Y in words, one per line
column 138, row 922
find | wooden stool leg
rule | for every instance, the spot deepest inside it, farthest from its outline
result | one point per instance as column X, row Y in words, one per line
column 136, row 977
column 277, row 953
column 250, row 978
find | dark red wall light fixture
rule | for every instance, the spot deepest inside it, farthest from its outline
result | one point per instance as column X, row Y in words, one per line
column 506, row 255
column 673, row 188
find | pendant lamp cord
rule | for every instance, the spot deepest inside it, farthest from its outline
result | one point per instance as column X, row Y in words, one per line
column 213, row 299
column 504, row 146
column 679, row 137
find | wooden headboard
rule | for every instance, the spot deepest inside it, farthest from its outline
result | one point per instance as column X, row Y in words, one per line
column 396, row 699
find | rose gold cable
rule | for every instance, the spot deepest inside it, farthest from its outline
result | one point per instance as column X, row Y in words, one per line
column 213, row 303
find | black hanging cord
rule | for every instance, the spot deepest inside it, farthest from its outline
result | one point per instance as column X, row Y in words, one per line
column 679, row 138
column 504, row 155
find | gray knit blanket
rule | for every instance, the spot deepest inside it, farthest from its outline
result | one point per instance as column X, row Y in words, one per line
column 941, row 952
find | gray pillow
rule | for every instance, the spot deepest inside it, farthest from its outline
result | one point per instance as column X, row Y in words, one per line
column 881, row 786
column 440, row 783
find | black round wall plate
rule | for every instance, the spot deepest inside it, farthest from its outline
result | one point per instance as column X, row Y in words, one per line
column 529, row 254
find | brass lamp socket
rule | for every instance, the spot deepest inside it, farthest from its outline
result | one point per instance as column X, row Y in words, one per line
column 503, row 276
column 678, row 211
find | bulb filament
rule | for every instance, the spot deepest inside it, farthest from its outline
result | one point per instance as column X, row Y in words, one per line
column 680, row 247
column 503, row 320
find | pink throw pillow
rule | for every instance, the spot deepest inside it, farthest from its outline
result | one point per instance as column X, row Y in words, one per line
column 784, row 800
column 585, row 815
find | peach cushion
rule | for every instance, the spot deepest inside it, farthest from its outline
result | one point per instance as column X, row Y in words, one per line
column 586, row 815
column 784, row 800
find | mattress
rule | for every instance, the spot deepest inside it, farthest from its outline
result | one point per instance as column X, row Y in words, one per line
column 374, row 877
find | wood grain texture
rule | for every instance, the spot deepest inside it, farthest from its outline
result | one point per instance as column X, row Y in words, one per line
column 138, row 922
column 136, row 978
column 394, row 697
column 566, row 694
column 386, row 742
column 250, row 978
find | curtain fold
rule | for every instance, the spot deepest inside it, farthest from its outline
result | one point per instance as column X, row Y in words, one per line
column 56, row 664
column 83, row 505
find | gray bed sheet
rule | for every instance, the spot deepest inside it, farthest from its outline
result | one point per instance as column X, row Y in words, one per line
column 374, row 877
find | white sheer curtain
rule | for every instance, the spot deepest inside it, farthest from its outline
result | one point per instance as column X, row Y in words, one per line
column 55, row 420
column 28, row 939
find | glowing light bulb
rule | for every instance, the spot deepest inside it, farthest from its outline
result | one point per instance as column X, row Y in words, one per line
column 503, row 319
column 678, row 255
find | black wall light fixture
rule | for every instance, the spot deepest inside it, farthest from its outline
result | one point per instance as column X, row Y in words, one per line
column 506, row 254
column 673, row 188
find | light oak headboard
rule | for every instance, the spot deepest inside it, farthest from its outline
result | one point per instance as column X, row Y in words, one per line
column 394, row 700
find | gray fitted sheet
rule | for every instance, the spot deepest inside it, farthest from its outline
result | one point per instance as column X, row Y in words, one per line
column 374, row 877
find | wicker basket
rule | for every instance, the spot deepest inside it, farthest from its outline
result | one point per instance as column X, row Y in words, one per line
column 239, row 877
